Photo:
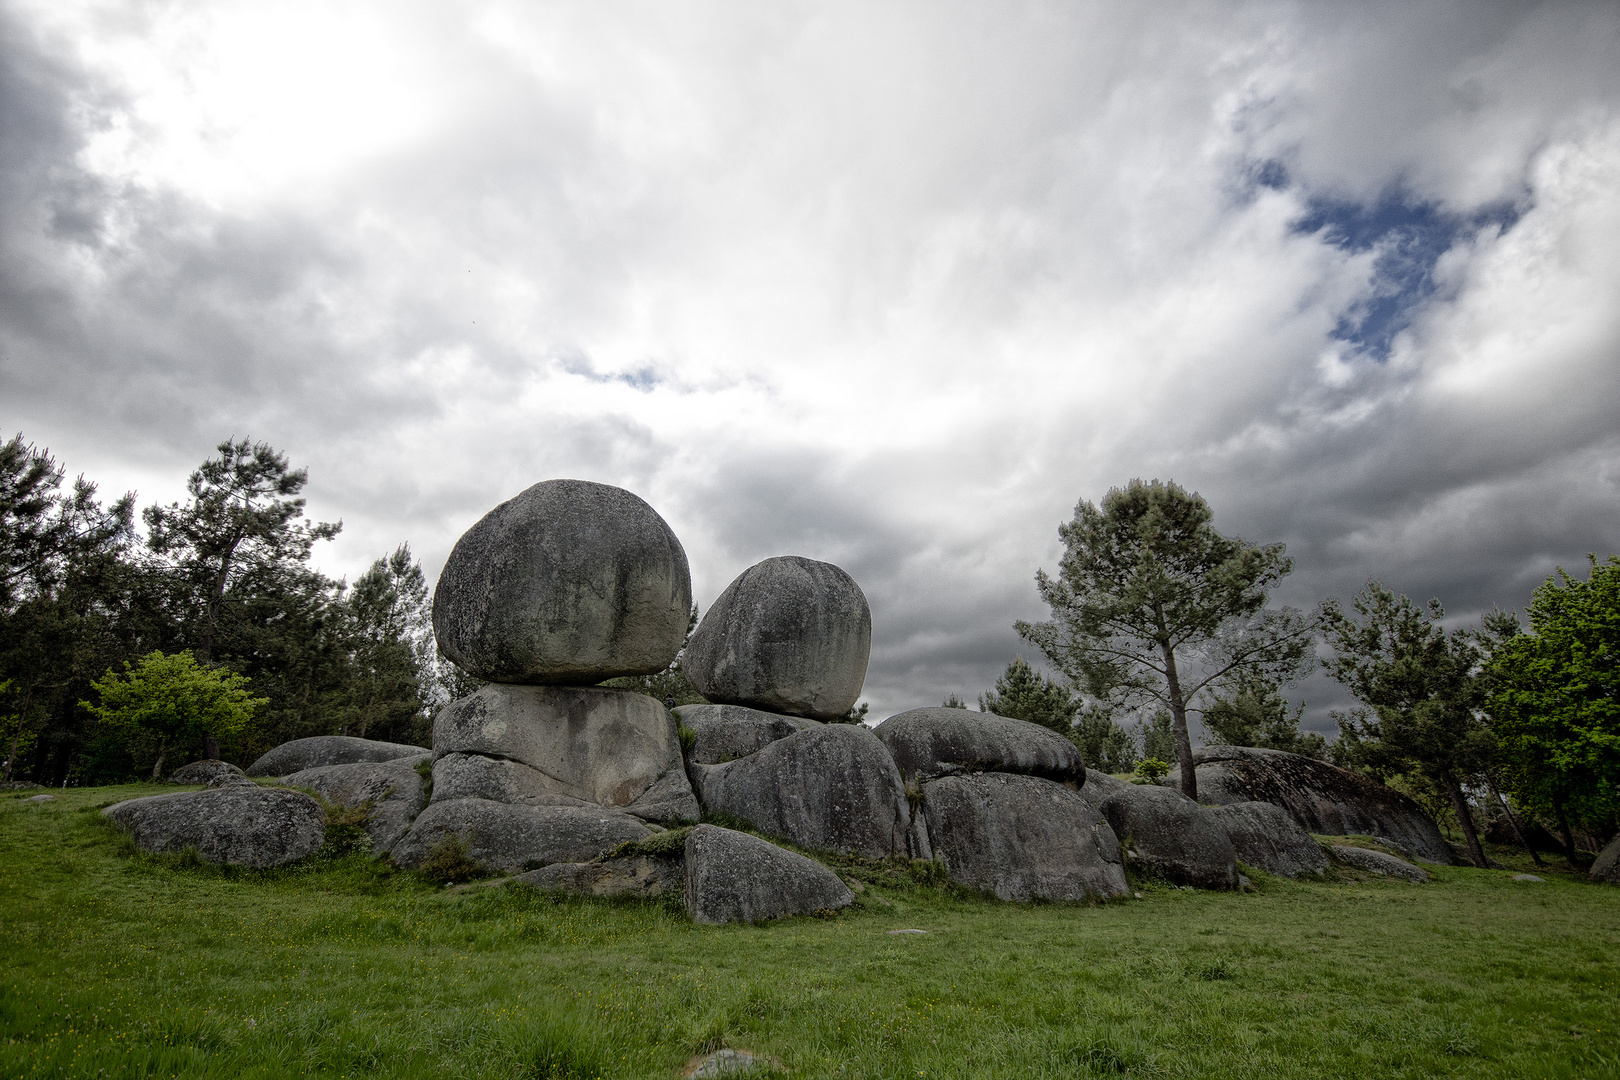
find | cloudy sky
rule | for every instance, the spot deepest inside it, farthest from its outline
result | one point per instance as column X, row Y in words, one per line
column 888, row 284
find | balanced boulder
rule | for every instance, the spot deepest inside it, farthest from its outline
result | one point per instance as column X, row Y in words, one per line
column 570, row 582
column 789, row 635
column 1022, row 838
column 203, row 772
column 937, row 742
column 512, row 839
column 392, row 792
column 1381, row 863
column 597, row 745
column 1264, row 836
column 723, row 733
column 734, row 877
column 832, row 787
column 1323, row 798
column 1169, row 836
column 301, row 754
column 251, row 826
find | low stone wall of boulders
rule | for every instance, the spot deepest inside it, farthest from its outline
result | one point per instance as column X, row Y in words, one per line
column 566, row 785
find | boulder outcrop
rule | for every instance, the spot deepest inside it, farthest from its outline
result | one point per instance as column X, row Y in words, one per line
column 203, row 772
column 570, row 582
column 1169, row 836
column 595, row 744
column 393, row 790
column 512, row 839
column 789, row 635
column 255, row 827
column 301, row 754
column 1263, row 835
column 1022, row 838
column 829, row 788
column 644, row 876
column 1378, row 862
column 1323, row 798
column 722, row 733
column 733, row 877
column 1606, row 868
column 938, row 742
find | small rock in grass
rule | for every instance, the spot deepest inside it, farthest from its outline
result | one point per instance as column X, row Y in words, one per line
column 1378, row 862
column 908, row 931
column 730, row 1062
column 1527, row 877
column 41, row 798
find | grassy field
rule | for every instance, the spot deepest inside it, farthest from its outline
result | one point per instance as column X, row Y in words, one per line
column 119, row 965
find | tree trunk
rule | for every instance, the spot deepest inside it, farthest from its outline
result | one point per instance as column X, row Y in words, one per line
column 157, row 766
column 1178, row 724
column 22, row 722
column 1565, row 833
column 1518, row 829
column 1459, row 803
column 211, row 746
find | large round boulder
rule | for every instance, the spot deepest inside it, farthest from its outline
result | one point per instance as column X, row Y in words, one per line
column 936, row 742
column 790, row 635
column 390, row 791
column 1606, row 867
column 318, row 750
column 1167, row 835
column 1022, row 838
column 1264, row 836
column 832, row 787
column 721, row 733
column 734, row 877
column 1323, row 798
column 570, row 582
column 247, row 826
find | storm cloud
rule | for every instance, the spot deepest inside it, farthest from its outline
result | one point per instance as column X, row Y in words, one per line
column 891, row 285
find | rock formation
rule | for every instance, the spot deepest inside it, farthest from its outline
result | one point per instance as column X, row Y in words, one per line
column 1169, row 836
column 937, row 742
column 1606, row 868
column 722, row 733
column 1321, row 797
column 1264, row 836
column 301, row 754
column 247, row 826
column 392, row 790
column 790, row 635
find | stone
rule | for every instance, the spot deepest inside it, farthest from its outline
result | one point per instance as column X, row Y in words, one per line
column 789, row 635
column 203, row 772
column 669, row 801
column 569, row 583
column 1377, row 862
column 318, row 750
column 392, row 789
column 729, row 1062
column 255, row 827
column 1323, row 798
column 512, row 839
column 1264, row 836
column 40, row 798
column 1606, row 868
column 226, row 779
column 477, row 776
column 722, row 733
column 1099, row 786
column 643, row 876
column 734, row 877
column 1167, row 835
column 935, row 742
column 1527, row 877
column 1022, row 838
column 828, row 788
column 596, row 744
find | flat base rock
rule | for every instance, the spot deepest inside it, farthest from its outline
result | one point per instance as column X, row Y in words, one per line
column 512, row 839
column 1022, row 838
column 203, row 772
column 937, row 742
column 1607, row 866
column 830, row 788
column 393, row 789
column 729, row 1062
column 1323, row 798
column 1169, row 836
column 253, row 826
column 724, row 733
column 642, row 876
column 318, row 750
column 596, row 744
column 1265, row 836
column 1377, row 862
column 731, row 876
column 668, row 800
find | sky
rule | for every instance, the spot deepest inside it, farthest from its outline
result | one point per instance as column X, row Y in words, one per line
column 892, row 285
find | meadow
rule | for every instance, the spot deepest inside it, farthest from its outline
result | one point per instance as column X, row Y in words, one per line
column 124, row 965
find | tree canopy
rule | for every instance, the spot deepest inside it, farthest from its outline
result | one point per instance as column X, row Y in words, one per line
column 1249, row 710
column 1152, row 604
column 172, row 699
column 1023, row 693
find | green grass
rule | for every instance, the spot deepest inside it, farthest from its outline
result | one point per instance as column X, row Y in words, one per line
column 121, row 965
